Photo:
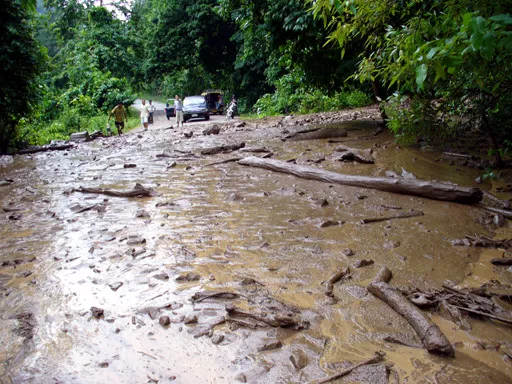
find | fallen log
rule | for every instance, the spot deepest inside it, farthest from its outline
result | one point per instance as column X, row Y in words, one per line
column 222, row 149
column 503, row 212
column 337, row 276
column 504, row 204
column 230, row 160
column 502, row 261
column 318, row 133
column 432, row 190
column 137, row 191
column 378, row 357
column 354, row 154
column 401, row 215
column 45, row 149
column 430, row 334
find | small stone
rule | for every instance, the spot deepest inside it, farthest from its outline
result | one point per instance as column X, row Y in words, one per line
column 190, row 319
column 142, row 213
column 347, row 252
column 391, row 244
column 269, row 345
column 130, row 166
column 97, row 312
column 161, row 276
column 328, row 223
column 115, row 286
column 217, row 338
column 103, row 365
column 164, row 321
column 188, row 276
column 135, row 239
column 362, row 263
column 241, row 378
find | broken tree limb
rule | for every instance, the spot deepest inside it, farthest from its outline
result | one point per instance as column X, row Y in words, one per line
column 137, row 191
column 230, row 160
column 378, row 357
column 337, row 276
column 203, row 295
column 45, row 149
column 401, row 215
column 485, row 242
column 504, row 204
column 222, row 149
column 502, row 261
column 430, row 334
column 503, row 212
column 354, row 154
column 274, row 318
column 489, row 315
column 319, row 133
column 432, row 190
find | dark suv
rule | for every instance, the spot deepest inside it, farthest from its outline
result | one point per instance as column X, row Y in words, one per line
column 194, row 107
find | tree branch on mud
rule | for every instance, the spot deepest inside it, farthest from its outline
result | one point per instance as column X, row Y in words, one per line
column 378, row 357
column 401, row 215
column 431, row 190
column 137, row 191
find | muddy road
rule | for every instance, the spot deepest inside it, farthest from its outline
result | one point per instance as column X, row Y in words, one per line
column 219, row 275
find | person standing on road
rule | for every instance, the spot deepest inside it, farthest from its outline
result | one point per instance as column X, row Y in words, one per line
column 144, row 114
column 119, row 116
column 151, row 109
column 178, row 109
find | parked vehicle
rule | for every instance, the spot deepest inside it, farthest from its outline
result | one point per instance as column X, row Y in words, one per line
column 214, row 100
column 169, row 109
column 195, row 107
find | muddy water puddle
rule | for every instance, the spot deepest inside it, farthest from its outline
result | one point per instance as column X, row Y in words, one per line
column 233, row 229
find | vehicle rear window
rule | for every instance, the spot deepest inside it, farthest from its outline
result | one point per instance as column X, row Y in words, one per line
column 194, row 101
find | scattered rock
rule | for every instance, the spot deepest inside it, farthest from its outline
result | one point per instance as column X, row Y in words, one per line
column 299, row 359
column 115, row 286
column 391, row 244
column 161, row 276
column 188, row 276
column 241, row 378
column 135, row 239
column 269, row 345
column 97, row 312
column 103, row 364
column 328, row 223
column 347, row 252
column 165, row 321
column 129, row 165
column 212, row 129
column 217, row 338
column 362, row 263
column 142, row 213
column 190, row 319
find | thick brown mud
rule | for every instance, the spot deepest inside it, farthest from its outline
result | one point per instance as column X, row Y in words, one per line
column 231, row 228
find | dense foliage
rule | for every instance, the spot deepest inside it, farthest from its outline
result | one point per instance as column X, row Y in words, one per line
column 437, row 65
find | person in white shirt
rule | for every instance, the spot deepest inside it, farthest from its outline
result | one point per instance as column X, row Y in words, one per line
column 178, row 108
column 144, row 114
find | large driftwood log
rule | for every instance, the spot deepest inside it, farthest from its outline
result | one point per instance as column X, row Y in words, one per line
column 431, row 336
column 222, row 149
column 354, row 154
column 319, row 133
column 137, row 191
column 45, row 148
column 427, row 189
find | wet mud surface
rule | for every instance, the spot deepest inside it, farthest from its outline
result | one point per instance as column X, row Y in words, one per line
column 219, row 277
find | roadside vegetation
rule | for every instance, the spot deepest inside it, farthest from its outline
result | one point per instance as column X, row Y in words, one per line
column 437, row 67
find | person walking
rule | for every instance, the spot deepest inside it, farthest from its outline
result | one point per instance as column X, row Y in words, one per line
column 144, row 114
column 151, row 109
column 119, row 117
column 178, row 109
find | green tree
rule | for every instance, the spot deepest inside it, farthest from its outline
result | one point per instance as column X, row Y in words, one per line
column 21, row 59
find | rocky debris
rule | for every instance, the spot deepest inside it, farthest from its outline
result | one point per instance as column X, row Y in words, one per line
column 161, row 276
column 103, row 364
column 26, row 324
column 217, row 338
column 362, row 263
column 188, row 135
column 190, row 319
column 164, row 321
column 80, row 136
column 391, row 244
column 212, row 129
column 328, row 223
column 135, row 240
column 142, row 213
column 97, row 312
column 299, row 359
column 269, row 345
column 222, row 149
column 129, row 165
column 188, row 276
column 354, row 154
column 318, row 133
column 115, row 286
column 347, row 252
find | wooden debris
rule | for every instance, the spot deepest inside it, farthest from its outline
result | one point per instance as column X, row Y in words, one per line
column 137, row 191
column 378, row 357
column 222, row 149
column 79, row 136
column 400, row 215
column 502, row 261
column 354, row 154
column 275, row 318
column 430, row 334
column 503, row 212
column 337, row 276
column 503, row 204
column 432, row 190
column 318, row 133
column 45, row 148
column 212, row 129
column 203, row 295
column 230, row 160
column 483, row 241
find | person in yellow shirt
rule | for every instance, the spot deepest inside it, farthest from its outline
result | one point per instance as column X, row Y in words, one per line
column 119, row 116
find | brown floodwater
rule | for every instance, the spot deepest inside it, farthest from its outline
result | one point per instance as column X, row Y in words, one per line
column 228, row 222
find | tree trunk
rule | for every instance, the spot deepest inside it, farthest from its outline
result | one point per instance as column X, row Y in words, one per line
column 431, row 190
